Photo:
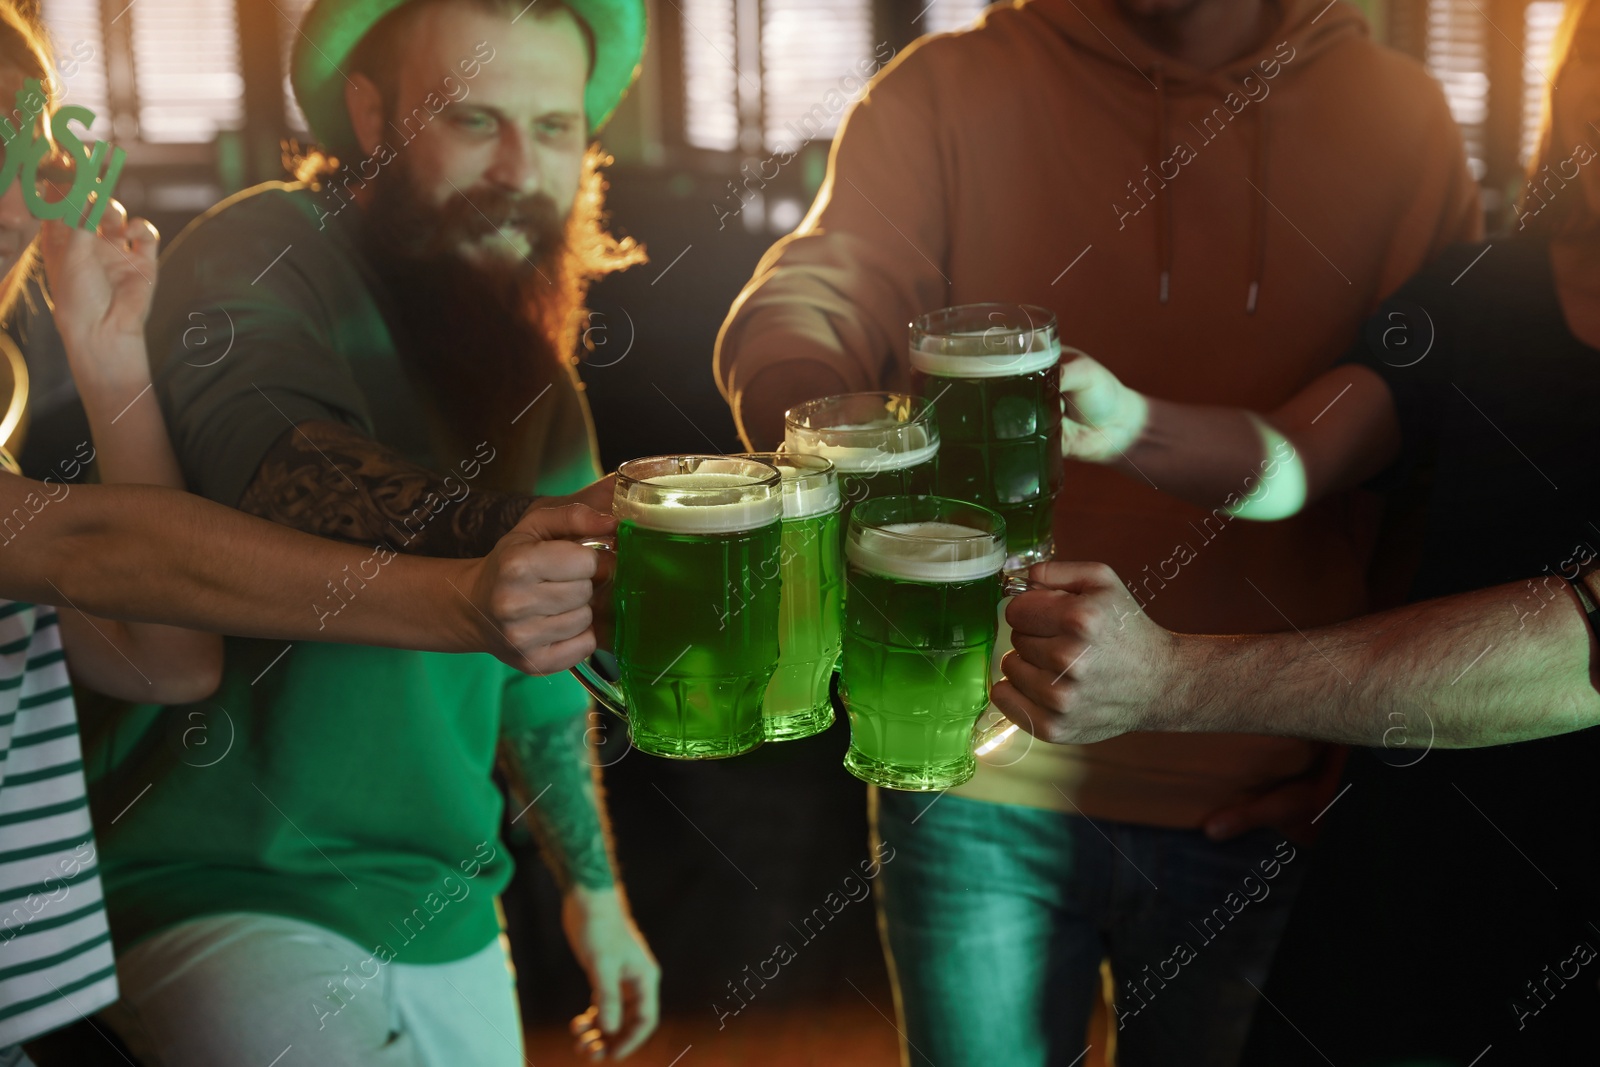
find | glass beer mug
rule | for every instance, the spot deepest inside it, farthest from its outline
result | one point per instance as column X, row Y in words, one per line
column 811, row 573
column 926, row 579
column 880, row 443
column 696, row 627
column 990, row 372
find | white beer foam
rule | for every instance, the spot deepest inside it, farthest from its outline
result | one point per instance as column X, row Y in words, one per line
column 986, row 365
column 865, row 459
column 926, row 552
column 702, row 509
column 803, row 501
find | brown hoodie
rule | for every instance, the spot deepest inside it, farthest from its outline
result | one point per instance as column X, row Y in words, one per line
column 1212, row 237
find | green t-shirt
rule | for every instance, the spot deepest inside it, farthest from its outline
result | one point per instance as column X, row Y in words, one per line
column 345, row 786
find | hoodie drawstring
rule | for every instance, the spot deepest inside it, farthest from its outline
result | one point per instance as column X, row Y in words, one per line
column 1258, row 215
column 1163, row 207
column 1258, row 218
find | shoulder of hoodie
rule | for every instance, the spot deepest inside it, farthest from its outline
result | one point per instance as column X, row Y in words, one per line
column 1367, row 94
column 1357, row 66
column 1365, row 69
column 957, row 70
column 935, row 61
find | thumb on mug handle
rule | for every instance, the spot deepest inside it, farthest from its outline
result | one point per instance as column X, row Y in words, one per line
column 591, row 673
column 985, row 739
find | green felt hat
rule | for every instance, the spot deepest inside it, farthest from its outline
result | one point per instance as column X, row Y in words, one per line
column 332, row 29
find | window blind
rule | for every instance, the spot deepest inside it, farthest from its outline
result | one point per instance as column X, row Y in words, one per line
column 776, row 72
column 942, row 16
column 811, row 56
column 1458, row 55
column 186, row 68
column 710, row 74
column 1539, row 24
column 74, row 27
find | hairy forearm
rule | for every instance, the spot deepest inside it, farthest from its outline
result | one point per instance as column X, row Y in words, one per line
column 326, row 479
column 164, row 556
column 1483, row 668
column 557, row 784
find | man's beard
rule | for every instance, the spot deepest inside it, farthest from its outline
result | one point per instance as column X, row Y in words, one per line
column 477, row 336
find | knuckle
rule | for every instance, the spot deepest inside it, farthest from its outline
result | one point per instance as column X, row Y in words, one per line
column 517, row 564
column 1102, row 572
column 502, row 603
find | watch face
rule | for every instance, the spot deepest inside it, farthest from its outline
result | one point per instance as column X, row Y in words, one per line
column 1586, row 583
column 1588, row 588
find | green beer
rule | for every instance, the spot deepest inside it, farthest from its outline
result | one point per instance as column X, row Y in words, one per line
column 882, row 444
column 990, row 372
column 920, row 620
column 696, row 627
column 810, row 616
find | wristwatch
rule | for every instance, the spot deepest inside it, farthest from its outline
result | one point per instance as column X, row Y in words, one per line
column 1588, row 601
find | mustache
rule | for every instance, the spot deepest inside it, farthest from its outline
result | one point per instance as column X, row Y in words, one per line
column 486, row 212
column 420, row 230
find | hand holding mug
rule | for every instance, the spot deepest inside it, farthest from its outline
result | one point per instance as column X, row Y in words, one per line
column 1102, row 418
column 597, row 495
column 1086, row 663
column 532, row 595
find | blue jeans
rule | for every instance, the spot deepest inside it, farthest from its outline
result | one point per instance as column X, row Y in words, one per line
column 995, row 919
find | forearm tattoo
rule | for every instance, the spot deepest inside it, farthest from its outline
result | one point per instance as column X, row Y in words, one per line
column 549, row 767
column 330, row 480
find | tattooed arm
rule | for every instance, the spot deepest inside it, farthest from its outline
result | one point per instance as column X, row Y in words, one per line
column 553, row 778
column 331, row 480
column 550, row 761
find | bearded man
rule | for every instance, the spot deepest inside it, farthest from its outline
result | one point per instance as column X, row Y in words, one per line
column 380, row 352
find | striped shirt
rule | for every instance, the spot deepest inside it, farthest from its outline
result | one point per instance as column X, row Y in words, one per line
column 56, row 962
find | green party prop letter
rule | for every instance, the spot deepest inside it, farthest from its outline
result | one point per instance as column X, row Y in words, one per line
column 24, row 149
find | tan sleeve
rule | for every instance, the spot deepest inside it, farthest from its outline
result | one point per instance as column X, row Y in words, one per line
column 868, row 258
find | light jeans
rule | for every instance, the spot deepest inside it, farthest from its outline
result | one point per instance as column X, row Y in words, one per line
column 246, row 988
column 995, row 919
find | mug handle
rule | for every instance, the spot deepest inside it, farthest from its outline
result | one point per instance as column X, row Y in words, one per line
column 1065, row 351
column 600, row 673
column 1075, row 351
column 985, row 739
